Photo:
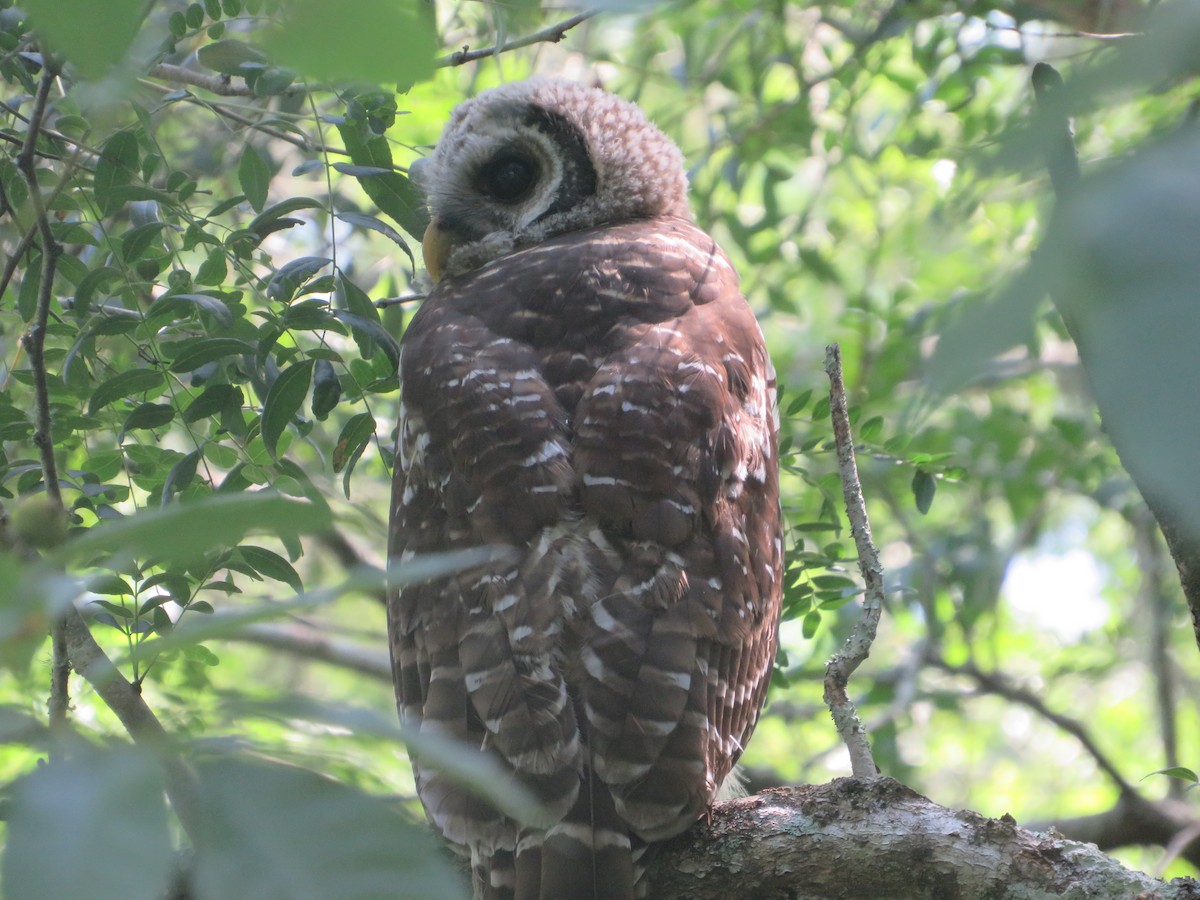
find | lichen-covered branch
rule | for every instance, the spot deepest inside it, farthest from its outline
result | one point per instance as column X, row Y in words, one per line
column 858, row 645
column 876, row 838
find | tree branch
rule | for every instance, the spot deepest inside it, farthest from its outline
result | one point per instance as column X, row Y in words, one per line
column 223, row 87
column 858, row 646
column 126, row 701
column 551, row 35
column 1135, row 821
column 306, row 641
column 214, row 83
column 876, row 838
column 34, row 341
column 999, row 685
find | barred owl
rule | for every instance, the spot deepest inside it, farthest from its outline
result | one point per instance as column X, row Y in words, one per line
column 586, row 386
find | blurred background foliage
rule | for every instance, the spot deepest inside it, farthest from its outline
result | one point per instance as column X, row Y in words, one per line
column 227, row 180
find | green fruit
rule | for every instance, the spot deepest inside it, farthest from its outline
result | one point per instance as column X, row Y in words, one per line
column 40, row 522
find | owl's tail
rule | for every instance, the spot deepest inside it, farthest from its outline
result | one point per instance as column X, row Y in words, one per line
column 586, row 856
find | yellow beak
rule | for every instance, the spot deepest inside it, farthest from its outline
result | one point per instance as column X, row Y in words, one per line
column 435, row 248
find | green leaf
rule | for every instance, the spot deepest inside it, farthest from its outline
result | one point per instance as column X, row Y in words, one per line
column 374, row 330
column 327, row 390
column 375, row 224
column 136, row 242
column 1180, row 772
column 185, row 531
column 211, row 305
column 31, row 285
column 293, row 204
column 74, row 823
column 273, row 830
column 924, row 486
column 95, row 280
column 270, row 564
column 283, row 402
column 195, row 354
column 393, row 193
column 254, row 176
column 147, row 416
column 112, row 586
column 125, row 384
column 373, row 41
column 871, row 429
column 356, row 434
column 213, row 270
column 181, row 475
column 230, row 57
column 796, row 404
column 212, row 400
column 290, row 277
column 833, row 581
column 115, row 170
column 93, row 34
column 273, row 80
column 811, row 622
column 1124, row 279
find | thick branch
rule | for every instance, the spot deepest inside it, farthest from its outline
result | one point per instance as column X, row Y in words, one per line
column 1135, row 821
column 125, row 700
column 858, row 645
column 876, row 838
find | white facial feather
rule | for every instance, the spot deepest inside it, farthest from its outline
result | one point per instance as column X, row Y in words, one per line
column 639, row 171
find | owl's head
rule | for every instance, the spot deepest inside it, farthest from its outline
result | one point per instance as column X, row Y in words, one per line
column 533, row 159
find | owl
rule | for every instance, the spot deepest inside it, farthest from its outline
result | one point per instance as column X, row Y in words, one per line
column 586, row 387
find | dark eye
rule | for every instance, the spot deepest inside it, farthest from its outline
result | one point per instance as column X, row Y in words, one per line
column 509, row 176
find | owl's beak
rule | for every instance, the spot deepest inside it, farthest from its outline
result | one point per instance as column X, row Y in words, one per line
column 435, row 248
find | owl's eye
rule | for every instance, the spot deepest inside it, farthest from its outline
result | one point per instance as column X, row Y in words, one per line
column 509, row 177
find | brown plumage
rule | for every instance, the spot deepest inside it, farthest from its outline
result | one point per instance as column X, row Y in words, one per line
column 587, row 386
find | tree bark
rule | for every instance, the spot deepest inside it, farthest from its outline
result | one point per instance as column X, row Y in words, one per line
column 876, row 838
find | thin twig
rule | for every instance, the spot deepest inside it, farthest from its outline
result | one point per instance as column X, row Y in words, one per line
column 309, row 642
column 34, row 340
column 858, row 645
column 551, row 35
column 222, row 86
column 995, row 683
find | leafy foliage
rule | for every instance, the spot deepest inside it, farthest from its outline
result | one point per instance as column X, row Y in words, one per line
column 227, row 184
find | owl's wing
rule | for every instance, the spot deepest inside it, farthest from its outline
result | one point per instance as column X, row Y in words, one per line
column 676, row 452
